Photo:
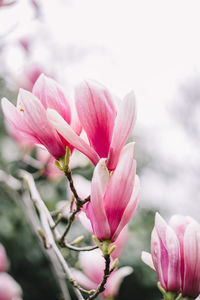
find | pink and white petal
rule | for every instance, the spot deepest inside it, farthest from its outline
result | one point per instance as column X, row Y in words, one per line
column 3, row 259
column 129, row 210
column 179, row 224
column 96, row 111
column 85, row 221
column 83, row 280
column 170, row 259
column 120, row 187
column 72, row 138
column 115, row 281
column 156, row 253
column 51, row 95
column 95, row 209
column 93, row 264
column 13, row 115
column 124, row 124
column 174, row 259
column 34, row 115
column 9, row 288
column 191, row 282
column 147, row 259
column 75, row 122
column 120, row 243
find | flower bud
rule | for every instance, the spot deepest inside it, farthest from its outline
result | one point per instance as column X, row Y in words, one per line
column 175, row 251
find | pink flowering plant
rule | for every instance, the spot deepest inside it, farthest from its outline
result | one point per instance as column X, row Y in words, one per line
column 46, row 118
column 97, row 125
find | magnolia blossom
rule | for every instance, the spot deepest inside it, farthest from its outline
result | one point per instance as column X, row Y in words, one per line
column 25, row 145
column 107, row 128
column 93, row 264
column 113, row 196
column 83, row 187
column 7, row 2
column 175, row 254
column 119, row 242
column 9, row 288
column 29, row 117
column 3, row 259
column 30, row 73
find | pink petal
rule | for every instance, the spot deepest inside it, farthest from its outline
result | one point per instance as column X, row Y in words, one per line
column 66, row 131
column 85, row 221
column 156, row 252
column 52, row 96
column 179, row 224
column 191, row 284
column 124, row 123
column 95, row 209
column 3, row 259
column 13, row 115
column 83, row 280
column 120, row 243
column 170, row 258
column 75, row 122
column 9, row 289
column 93, row 264
column 115, row 281
column 173, row 248
column 17, row 122
column 120, row 187
column 130, row 208
column 34, row 115
column 96, row 111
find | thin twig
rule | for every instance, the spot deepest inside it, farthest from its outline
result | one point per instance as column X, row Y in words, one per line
column 88, row 248
column 79, row 205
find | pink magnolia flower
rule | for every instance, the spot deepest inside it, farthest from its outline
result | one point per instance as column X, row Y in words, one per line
column 113, row 196
column 9, row 288
column 25, row 145
column 93, row 265
column 7, row 3
column 3, row 259
column 31, row 73
column 107, row 128
column 119, row 242
column 29, row 117
column 175, row 254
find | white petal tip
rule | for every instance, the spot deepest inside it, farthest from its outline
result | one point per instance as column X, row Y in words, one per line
column 147, row 259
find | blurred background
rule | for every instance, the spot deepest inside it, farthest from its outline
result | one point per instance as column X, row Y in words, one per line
column 150, row 47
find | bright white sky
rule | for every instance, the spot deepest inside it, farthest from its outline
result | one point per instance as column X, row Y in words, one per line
column 147, row 46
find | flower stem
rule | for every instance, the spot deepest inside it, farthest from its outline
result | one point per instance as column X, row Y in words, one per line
column 101, row 287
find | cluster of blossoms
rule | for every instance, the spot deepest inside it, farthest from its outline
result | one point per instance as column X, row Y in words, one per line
column 99, row 126
column 9, row 289
column 45, row 117
column 48, row 118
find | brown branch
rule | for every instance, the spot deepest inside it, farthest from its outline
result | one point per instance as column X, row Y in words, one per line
column 102, row 287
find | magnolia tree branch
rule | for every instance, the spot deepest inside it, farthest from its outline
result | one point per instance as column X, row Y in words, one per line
column 33, row 218
column 79, row 202
column 45, row 221
column 15, row 185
